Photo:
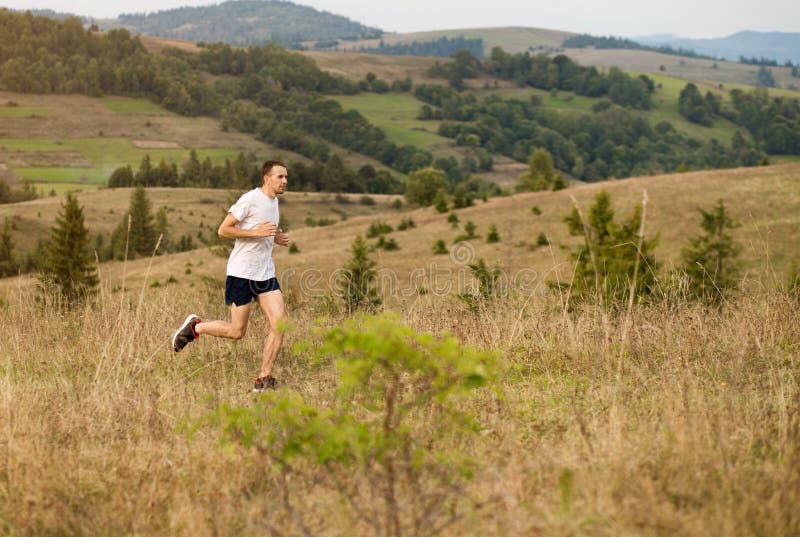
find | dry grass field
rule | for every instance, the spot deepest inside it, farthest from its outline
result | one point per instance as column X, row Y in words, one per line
column 665, row 419
column 670, row 420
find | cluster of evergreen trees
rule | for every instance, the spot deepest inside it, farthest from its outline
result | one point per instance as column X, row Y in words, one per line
column 768, row 62
column 697, row 108
column 241, row 173
column 11, row 195
column 774, row 122
column 444, row 47
column 613, row 142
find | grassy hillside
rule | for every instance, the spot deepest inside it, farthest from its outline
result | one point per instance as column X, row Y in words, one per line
column 355, row 66
column 511, row 39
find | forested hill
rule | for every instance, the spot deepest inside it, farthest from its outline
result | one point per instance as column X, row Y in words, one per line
column 245, row 22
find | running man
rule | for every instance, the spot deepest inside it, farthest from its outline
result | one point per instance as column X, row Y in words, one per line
column 253, row 221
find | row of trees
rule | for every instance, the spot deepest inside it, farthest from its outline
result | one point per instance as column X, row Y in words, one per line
column 242, row 173
column 443, row 47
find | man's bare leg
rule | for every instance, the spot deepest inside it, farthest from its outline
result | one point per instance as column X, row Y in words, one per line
column 235, row 329
column 273, row 307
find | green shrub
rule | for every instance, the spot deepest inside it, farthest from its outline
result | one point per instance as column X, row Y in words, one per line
column 376, row 442
column 378, row 228
column 493, row 235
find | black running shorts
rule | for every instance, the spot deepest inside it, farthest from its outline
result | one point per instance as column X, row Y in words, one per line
column 241, row 291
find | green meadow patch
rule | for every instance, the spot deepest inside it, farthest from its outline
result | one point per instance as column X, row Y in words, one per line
column 28, row 144
column 23, row 111
column 63, row 175
column 562, row 101
column 396, row 114
column 106, row 154
column 779, row 159
column 127, row 105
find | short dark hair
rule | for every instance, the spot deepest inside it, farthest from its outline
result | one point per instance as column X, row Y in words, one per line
column 268, row 165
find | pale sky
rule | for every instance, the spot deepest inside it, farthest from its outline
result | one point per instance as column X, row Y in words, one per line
column 629, row 18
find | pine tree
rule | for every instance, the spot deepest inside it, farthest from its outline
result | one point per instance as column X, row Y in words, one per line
column 162, row 229
column 144, row 175
column 8, row 264
column 141, row 240
column 540, row 174
column 357, row 288
column 241, row 173
column 191, row 170
column 440, row 201
column 710, row 259
column 606, row 263
column 69, row 264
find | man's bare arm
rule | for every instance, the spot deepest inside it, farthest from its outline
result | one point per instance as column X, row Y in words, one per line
column 228, row 230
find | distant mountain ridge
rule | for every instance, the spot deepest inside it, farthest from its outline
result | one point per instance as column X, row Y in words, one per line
column 245, row 22
column 778, row 46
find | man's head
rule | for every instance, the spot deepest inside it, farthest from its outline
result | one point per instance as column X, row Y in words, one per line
column 275, row 177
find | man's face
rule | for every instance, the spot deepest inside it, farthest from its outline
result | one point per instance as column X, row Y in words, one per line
column 276, row 179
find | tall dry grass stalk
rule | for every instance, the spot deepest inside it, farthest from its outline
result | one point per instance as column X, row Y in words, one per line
column 686, row 422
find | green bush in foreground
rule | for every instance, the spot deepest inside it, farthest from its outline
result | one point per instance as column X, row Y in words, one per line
column 368, row 444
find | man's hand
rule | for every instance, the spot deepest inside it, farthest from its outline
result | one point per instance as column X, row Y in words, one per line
column 266, row 229
column 282, row 239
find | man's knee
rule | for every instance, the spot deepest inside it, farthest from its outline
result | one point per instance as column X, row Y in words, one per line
column 237, row 332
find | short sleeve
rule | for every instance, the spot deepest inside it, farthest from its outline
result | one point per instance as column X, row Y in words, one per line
column 240, row 209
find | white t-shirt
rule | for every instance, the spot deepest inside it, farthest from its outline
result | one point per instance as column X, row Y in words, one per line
column 251, row 257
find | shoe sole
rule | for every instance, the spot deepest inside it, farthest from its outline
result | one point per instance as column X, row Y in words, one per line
column 186, row 322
